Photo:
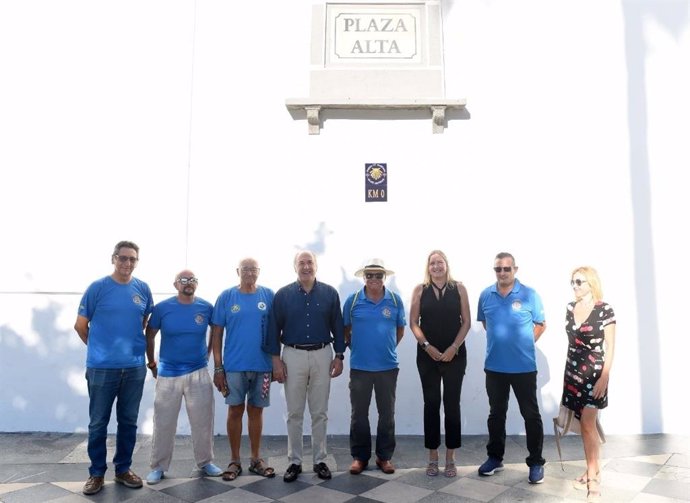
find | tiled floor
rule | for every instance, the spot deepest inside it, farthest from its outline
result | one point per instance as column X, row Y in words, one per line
column 41, row 467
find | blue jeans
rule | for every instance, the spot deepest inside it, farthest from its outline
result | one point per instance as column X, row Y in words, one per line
column 383, row 384
column 105, row 385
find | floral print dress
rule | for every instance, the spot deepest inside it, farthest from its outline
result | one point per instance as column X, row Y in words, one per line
column 586, row 356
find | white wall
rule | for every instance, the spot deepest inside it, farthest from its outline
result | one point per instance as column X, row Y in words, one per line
column 575, row 153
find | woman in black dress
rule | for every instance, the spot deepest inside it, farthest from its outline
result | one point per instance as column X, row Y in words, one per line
column 591, row 328
column 440, row 320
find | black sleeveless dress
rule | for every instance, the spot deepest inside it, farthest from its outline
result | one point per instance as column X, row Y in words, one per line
column 440, row 320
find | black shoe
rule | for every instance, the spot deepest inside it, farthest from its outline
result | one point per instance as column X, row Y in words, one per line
column 292, row 472
column 322, row 471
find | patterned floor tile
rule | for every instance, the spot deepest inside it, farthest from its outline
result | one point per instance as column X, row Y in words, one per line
column 396, row 492
column 475, row 489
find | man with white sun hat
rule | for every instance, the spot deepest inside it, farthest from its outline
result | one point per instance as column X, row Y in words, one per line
column 374, row 319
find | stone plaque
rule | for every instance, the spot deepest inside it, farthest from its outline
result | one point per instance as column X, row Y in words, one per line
column 377, row 50
column 372, row 33
column 384, row 55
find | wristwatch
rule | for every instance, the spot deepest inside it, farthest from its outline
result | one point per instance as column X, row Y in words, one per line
column 424, row 345
column 152, row 364
column 340, row 356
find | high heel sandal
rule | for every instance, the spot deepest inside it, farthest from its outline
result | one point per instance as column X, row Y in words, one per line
column 580, row 483
column 593, row 490
column 432, row 468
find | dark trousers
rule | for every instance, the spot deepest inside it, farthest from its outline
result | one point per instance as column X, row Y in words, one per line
column 524, row 386
column 432, row 374
column 362, row 383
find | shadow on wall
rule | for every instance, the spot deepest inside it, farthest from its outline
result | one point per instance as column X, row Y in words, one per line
column 673, row 16
column 475, row 404
column 48, row 377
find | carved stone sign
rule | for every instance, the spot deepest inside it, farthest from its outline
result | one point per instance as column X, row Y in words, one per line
column 372, row 33
column 371, row 55
column 377, row 50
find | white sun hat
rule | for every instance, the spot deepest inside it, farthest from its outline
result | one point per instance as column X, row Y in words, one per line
column 373, row 265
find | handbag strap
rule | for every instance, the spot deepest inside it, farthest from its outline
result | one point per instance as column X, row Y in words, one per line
column 558, row 435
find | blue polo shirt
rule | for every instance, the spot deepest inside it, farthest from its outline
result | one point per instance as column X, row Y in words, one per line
column 184, row 339
column 374, row 330
column 510, row 328
column 244, row 316
column 116, row 314
column 299, row 317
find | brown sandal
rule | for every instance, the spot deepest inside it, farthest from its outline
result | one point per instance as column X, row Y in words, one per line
column 233, row 471
column 259, row 467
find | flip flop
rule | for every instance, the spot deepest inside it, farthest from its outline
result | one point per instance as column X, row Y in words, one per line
column 233, row 471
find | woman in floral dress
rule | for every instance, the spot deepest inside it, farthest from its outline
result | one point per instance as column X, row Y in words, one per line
column 591, row 329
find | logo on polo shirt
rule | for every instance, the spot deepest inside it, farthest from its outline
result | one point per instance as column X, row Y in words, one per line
column 386, row 312
column 235, row 308
column 199, row 319
column 136, row 299
column 261, row 306
column 517, row 305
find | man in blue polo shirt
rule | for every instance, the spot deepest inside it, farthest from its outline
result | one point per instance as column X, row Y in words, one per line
column 374, row 319
column 111, row 319
column 183, row 321
column 242, row 369
column 513, row 317
column 306, row 319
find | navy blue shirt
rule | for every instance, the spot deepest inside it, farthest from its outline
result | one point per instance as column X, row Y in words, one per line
column 298, row 317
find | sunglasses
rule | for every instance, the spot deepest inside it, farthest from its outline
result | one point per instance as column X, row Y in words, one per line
column 577, row 282
column 504, row 269
column 187, row 281
column 123, row 259
column 372, row 275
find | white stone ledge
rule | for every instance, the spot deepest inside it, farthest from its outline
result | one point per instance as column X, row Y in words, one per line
column 314, row 106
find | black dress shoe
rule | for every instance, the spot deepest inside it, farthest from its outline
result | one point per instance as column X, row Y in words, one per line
column 292, row 472
column 322, row 471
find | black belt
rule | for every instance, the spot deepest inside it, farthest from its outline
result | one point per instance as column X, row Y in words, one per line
column 309, row 347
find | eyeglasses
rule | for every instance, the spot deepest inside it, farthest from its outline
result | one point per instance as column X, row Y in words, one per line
column 123, row 259
column 249, row 269
column 372, row 275
column 577, row 282
column 187, row 281
column 504, row 269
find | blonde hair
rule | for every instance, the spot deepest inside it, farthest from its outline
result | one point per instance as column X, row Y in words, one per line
column 592, row 277
column 427, row 277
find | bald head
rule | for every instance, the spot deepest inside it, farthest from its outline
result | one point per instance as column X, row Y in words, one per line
column 185, row 284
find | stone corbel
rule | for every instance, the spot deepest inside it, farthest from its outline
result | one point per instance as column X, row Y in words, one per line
column 313, row 119
column 438, row 119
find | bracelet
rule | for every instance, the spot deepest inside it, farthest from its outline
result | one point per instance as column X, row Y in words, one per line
column 219, row 370
column 152, row 364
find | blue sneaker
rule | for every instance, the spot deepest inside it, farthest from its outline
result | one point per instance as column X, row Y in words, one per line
column 154, row 477
column 211, row 470
column 536, row 474
column 490, row 466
